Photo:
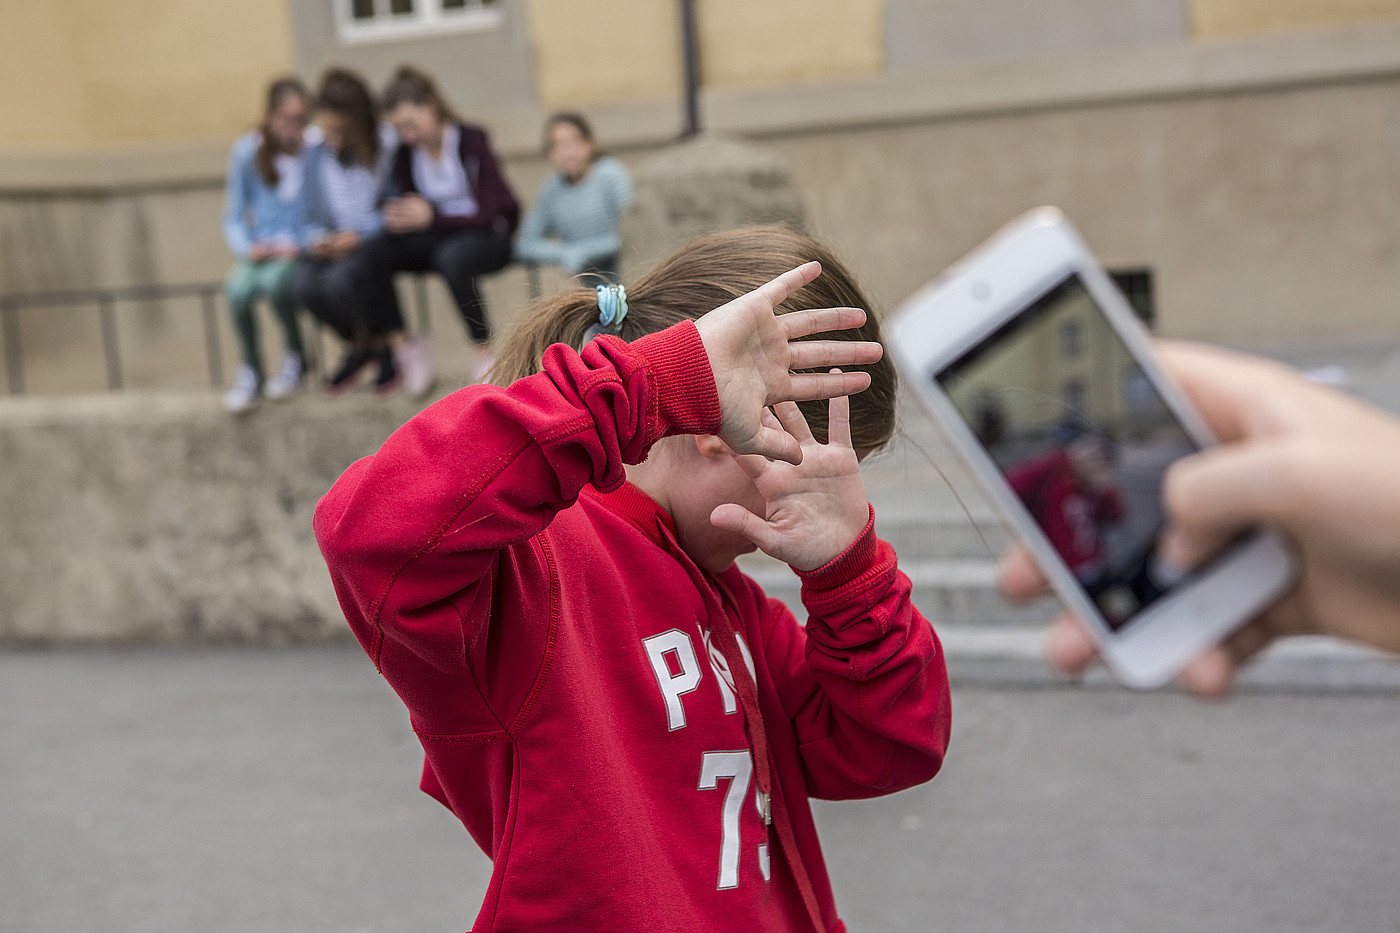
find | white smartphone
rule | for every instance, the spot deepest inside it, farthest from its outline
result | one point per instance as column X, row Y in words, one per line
column 1044, row 380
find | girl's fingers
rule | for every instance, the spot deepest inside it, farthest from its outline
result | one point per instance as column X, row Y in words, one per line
column 775, row 292
column 736, row 519
column 809, row 386
column 838, row 418
column 821, row 354
column 811, row 321
column 775, row 444
column 793, row 422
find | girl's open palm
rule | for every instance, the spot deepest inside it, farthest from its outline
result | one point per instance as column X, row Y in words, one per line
column 814, row 509
column 753, row 353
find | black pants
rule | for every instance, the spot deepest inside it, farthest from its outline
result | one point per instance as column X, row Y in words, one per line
column 458, row 256
column 328, row 290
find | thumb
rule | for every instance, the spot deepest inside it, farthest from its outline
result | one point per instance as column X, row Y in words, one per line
column 736, row 519
column 1213, row 496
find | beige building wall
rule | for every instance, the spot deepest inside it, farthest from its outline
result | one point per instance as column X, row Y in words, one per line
column 88, row 74
column 745, row 43
column 608, row 51
column 1211, row 19
column 36, row 52
column 604, row 51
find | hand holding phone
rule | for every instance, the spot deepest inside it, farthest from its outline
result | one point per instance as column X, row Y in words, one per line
column 1047, row 386
column 1313, row 462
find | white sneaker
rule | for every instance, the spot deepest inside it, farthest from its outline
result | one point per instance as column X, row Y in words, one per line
column 415, row 361
column 485, row 359
column 287, row 379
column 244, row 394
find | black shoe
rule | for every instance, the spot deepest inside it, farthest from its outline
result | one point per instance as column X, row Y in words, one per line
column 344, row 378
column 388, row 380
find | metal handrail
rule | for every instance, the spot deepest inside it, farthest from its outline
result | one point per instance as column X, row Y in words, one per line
column 106, row 299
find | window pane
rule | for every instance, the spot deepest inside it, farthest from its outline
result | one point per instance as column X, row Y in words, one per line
column 401, row 7
column 362, row 9
column 454, row 4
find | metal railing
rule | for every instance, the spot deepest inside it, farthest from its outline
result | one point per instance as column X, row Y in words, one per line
column 105, row 301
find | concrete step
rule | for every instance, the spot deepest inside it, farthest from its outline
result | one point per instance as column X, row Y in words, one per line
column 947, row 591
column 919, row 536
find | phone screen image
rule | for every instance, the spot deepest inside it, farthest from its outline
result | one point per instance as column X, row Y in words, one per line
column 1083, row 438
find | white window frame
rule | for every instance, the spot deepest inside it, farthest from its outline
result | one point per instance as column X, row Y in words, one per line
column 428, row 18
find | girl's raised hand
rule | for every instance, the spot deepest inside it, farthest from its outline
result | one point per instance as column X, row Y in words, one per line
column 813, row 510
column 753, row 352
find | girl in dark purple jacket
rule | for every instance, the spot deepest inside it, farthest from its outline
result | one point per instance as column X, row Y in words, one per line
column 450, row 211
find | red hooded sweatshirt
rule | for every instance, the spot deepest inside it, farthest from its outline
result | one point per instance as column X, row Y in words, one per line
column 553, row 644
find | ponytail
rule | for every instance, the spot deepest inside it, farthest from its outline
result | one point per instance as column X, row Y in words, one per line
column 699, row 277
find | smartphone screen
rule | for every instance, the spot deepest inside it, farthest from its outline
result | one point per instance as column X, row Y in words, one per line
column 1083, row 438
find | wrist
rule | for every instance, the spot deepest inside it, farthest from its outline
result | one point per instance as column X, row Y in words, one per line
column 850, row 564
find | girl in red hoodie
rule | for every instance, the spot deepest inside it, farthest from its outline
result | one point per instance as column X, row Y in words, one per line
column 544, row 572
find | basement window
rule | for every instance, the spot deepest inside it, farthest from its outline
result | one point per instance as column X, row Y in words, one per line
column 359, row 21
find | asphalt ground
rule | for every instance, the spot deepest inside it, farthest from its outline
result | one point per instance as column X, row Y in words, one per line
column 258, row 789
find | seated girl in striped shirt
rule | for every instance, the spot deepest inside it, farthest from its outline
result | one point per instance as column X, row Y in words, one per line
column 345, row 175
column 573, row 223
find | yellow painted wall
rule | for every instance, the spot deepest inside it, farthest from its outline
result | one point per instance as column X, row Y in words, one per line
column 604, row 50
column 618, row 50
column 753, row 43
column 89, row 73
column 1222, row 18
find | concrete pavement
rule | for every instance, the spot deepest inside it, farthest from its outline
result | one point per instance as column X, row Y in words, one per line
column 156, row 790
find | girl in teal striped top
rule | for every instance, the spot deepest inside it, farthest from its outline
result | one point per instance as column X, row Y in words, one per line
column 573, row 223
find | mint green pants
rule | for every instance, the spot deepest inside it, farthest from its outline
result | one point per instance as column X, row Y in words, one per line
column 272, row 279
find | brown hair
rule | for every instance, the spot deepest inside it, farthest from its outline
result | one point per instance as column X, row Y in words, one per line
column 577, row 121
column 411, row 86
column 344, row 93
column 266, row 155
column 702, row 275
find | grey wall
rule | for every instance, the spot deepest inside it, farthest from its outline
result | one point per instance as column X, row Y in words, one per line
column 478, row 72
column 925, row 34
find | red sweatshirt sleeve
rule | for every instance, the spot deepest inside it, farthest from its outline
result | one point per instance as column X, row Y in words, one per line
column 865, row 685
column 411, row 534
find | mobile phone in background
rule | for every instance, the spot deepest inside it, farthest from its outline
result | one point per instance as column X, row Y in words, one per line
column 1045, row 383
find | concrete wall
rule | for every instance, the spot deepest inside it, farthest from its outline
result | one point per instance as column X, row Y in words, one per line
column 157, row 518
column 1263, row 217
column 926, row 34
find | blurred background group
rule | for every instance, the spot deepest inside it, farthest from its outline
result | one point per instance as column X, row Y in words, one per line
column 1234, row 162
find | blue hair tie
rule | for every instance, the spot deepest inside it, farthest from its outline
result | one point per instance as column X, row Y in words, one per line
column 612, row 308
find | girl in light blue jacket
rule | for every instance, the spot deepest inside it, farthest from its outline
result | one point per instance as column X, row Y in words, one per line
column 263, row 220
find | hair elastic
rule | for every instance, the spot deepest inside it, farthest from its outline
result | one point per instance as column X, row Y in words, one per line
column 612, row 308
